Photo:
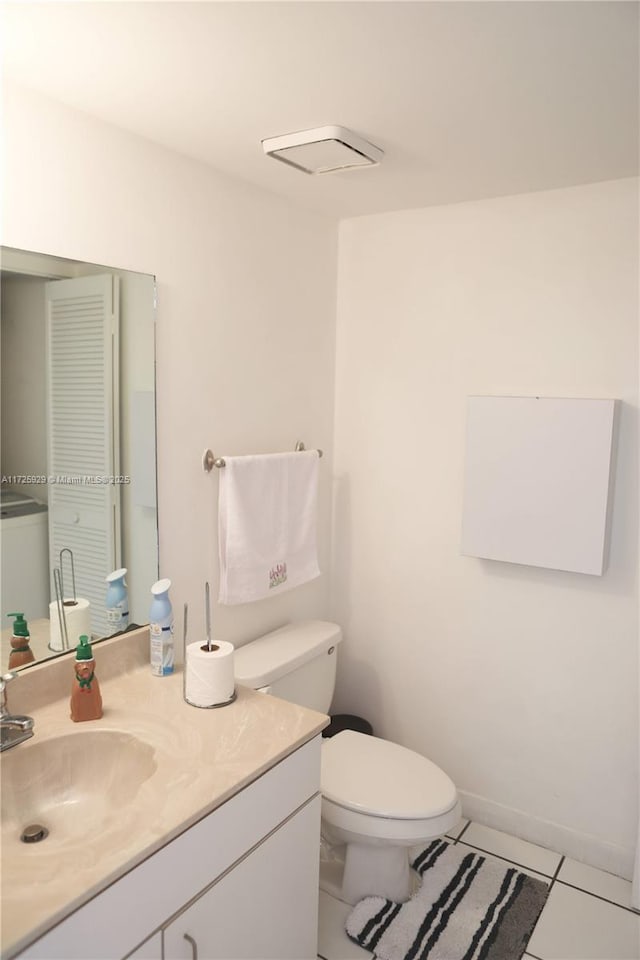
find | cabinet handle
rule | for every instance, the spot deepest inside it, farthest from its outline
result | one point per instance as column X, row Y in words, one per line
column 194, row 946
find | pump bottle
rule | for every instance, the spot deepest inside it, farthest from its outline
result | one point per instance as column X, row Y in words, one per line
column 86, row 699
column 21, row 652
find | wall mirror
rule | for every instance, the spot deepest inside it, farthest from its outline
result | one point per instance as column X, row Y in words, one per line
column 78, row 447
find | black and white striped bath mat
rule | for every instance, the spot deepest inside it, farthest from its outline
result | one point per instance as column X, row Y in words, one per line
column 468, row 908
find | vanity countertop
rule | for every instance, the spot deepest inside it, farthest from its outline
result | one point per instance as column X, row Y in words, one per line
column 199, row 759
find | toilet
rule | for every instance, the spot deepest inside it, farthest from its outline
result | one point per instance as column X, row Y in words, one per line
column 378, row 799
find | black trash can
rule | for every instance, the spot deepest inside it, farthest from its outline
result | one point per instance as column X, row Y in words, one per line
column 345, row 721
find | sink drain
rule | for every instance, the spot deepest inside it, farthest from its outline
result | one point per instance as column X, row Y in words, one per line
column 34, row 833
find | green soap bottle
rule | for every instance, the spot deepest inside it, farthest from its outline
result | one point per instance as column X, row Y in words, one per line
column 86, row 699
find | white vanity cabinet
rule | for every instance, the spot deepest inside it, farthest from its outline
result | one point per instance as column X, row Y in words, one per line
column 151, row 949
column 241, row 883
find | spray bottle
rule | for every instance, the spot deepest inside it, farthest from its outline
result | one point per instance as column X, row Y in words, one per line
column 161, row 628
column 117, row 602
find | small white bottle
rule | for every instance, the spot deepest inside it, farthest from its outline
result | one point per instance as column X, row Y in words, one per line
column 161, row 629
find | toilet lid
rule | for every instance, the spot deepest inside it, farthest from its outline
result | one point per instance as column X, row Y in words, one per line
column 383, row 779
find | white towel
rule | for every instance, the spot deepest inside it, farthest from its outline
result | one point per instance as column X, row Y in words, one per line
column 267, row 513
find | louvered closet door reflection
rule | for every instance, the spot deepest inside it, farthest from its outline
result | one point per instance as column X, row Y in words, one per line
column 83, row 434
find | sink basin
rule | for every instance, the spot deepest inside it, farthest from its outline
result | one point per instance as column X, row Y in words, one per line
column 81, row 788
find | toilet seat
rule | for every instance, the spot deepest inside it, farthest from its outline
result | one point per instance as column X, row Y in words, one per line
column 382, row 790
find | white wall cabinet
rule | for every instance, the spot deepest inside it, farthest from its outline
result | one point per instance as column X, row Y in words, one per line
column 537, row 473
column 242, row 882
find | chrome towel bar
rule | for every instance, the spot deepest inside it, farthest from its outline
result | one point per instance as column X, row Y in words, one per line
column 209, row 461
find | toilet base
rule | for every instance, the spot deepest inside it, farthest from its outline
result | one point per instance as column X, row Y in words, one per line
column 376, row 871
column 365, row 871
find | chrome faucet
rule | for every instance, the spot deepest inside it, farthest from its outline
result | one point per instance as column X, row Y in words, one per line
column 14, row 728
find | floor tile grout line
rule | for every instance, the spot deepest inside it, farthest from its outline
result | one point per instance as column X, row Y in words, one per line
column 589, row 893
column 598, row 896
column 524, row 866
column 552, row 884
column 558, row 868
column 546, row 901
column 462, row 832
column 552, row 877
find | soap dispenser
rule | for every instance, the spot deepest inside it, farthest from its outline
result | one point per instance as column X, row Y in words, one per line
column 21, row 652
column 86, row 700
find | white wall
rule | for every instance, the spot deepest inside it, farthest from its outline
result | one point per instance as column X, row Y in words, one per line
column 520, row 682
column 245, row 323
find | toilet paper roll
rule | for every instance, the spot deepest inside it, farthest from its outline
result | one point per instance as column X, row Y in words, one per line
column 209, row 674
column 78, row 618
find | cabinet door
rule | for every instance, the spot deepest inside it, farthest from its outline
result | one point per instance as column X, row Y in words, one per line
column 151, row 949
column 265, row 907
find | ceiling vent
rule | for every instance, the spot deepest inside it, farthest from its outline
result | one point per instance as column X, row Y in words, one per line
column 323, row 150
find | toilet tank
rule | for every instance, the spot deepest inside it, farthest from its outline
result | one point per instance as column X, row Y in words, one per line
column 296, row 663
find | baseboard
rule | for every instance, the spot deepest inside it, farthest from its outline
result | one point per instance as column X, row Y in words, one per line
column 579, row 846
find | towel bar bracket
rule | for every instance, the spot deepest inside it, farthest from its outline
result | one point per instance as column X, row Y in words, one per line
column 300, row 446
column 209, row 461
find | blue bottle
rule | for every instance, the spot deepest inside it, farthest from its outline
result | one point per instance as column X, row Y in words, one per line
column 117, row 602
column 161, row 629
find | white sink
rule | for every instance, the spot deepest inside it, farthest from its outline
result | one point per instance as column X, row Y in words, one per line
column 82, row 788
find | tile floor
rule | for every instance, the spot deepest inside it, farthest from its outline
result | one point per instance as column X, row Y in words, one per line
column 586, row 916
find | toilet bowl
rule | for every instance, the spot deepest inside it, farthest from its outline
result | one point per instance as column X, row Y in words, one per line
column 378, row 799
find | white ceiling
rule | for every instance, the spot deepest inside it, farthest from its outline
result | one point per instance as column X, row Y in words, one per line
column 467, row 99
